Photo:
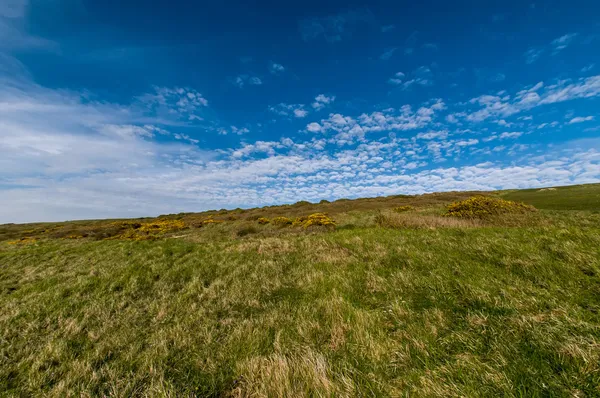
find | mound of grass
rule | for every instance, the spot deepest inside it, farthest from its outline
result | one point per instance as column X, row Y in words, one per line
column 485, row 206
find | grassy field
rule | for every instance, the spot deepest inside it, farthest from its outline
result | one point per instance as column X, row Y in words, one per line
column 405, row 302
column 576, row 197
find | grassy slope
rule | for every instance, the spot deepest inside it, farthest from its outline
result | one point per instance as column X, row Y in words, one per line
column 575, row 197
column 362, row 311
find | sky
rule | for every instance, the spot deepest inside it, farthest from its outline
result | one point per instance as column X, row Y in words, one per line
column 128, row 108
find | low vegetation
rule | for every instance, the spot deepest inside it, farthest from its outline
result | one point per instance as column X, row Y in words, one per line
column 485, row 206
column 346, row 298
column 402, row 209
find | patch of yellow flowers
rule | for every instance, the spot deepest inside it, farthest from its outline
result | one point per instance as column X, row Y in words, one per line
column 22, row 241
column 485, row 206
column 146, row 231
column 209, row 221
column 281, row 221
column 317, row 219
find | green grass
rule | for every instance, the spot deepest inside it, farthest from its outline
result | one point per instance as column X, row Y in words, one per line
column 576, row 197
column 389, row 304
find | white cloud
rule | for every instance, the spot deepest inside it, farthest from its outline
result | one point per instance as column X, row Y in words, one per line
column 581, row 119
column 349, row 130
column 503, row 106
column 321, row 101
column 276, row 68
column 468, row 142
column 300, row 113
column 13, row 36
column 242, row 80
column 397, row 79
column 562, row 42
column 313, row 127
column 556, row 46
column 297, row 110
column 421, row 76
column 513, row 134
column 533, row 54
column 452, row 119
column 179, row 102
column 45, row 134
column 388, row 54
column 233, row 130
column 587, row 68
column 430, row 135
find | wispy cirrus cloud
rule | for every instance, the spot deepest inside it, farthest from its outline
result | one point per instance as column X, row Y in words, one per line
column 533, row 54
column 555, row 47
column 388, row 54
column 537, row 95
column 388, row 28
column 581, row 119
column 12, row 34
column 562, row 42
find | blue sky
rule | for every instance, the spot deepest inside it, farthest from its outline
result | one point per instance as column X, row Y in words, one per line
column 129, row 108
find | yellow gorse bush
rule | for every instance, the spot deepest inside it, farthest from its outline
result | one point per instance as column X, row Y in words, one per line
column 145, row 231
column 23, row 241
column 263, row 221
column 281, row 221
column 209, row 221
column 402, row 209
column 162, row 226
column 317, row 219
column 485, row 206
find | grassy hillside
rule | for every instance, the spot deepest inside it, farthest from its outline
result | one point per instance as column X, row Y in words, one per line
column 392, row 301
column 575, row 197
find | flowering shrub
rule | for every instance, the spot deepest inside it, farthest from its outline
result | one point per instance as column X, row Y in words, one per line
column 263, row 221
column 485, row 206
column 281, row 221
column 209, row 221
column 145, row 231
column 317, row 219
column 23, row 241
column 402, row 209
column 161, row 226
